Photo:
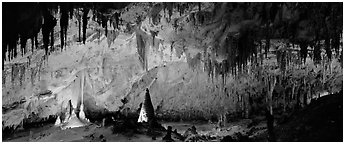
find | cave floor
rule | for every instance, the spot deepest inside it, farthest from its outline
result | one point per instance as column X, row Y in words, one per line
column 322, row 120
column 92, row 133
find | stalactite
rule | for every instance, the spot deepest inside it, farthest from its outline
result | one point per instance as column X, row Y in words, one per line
column 4, row 46
column 12, row 74
column 85, row 19
column 61, row 36
column 11, row 51
column 184, row 6
column 336, row 42
column 284, row 61
column 117, row 20
column 209, row 67
column 36, row 40
column 111, row 23
column 79, row 24
column 328, row 48
column 65, row 36
column 14, row 50
column 20, row 71
column 153, row 34
column 32, row 76
column 181, row 9
column 268, row 43
column 212, row 69
column 49, row 24
column 104, row 21
column 63, row 24
column 8, row 52
column 155, row 16
column 304, row 51
column 217, row 69
column 10, row 28
column 169, row 6
column 317, row 53
column 94, row 13
column 4, row 76
column 77, row 15
column 22, row 74
column 32, row 44
column 164, row 9
column 106, row 27
column 23, row 41
column 16, row 73
column 71, row 9
column 98, row 18
column 52, row 39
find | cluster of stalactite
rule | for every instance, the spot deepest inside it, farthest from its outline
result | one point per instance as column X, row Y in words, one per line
column 325, row 20
column 41, row 17
column 285, row 92
column 102, row 19
column 324, row 24
column 240, row 51
column 169, row 7
column 154, row 14
column 27, row 28
column 181, row 7
column 13, row 29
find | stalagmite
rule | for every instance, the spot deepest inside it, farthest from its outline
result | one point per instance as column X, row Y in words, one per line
column 81, row 113
column 147, row 111
column 58, row 121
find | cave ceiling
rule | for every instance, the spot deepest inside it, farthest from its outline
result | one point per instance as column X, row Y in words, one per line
column 231, row 31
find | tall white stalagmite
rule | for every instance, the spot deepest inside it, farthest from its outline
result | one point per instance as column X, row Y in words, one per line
column 81, row 113
column 147, row 110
